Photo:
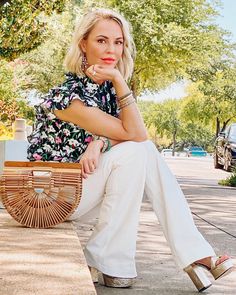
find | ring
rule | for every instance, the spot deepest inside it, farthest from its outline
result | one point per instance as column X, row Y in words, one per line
column 94, row 73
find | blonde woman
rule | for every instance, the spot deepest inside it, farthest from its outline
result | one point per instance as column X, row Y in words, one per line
column 93, row 118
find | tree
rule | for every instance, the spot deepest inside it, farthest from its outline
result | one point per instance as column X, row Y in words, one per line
column 10, row 106
column 214, row 95
column 170, row 36
column 165, row 118
column 22, row 27
column 43, row 67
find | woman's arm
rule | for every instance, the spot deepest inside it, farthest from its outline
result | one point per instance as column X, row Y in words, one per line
column 129, row 126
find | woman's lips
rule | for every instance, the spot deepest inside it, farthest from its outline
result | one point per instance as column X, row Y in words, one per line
column 108, row 60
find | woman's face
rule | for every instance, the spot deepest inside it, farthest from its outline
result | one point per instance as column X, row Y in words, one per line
column 104, row 44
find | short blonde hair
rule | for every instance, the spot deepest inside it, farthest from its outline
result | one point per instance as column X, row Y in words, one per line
column 73, row 59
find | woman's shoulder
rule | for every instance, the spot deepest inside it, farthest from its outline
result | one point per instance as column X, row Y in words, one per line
column 71, row 82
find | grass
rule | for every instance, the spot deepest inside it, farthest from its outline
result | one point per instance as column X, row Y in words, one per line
column 229, row 181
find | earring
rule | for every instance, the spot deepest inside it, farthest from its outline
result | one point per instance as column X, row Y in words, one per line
column 84, row 64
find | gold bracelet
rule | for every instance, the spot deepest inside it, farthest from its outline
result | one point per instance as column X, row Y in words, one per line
column 123, row 96
column 127, row 104
column 126, row 101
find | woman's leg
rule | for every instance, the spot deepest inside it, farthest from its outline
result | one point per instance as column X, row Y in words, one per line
column 117, row 186
column 162, row 189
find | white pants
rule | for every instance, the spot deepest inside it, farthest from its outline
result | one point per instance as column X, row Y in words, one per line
column 115, row 191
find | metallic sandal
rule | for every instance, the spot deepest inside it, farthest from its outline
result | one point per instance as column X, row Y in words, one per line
column 115, row 282
column 94, row 274
column 198, row 277
column 219, row 269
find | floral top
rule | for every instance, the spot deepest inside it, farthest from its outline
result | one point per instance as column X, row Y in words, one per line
column 56, row 140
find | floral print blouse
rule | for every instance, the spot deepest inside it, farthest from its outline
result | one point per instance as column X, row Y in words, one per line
column 56, row 140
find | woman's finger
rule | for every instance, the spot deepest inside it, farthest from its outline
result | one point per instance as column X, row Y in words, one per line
column 92, row 166
column 93, row 73
column 84, row 175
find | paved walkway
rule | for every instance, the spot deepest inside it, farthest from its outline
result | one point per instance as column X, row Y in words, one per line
column 157, row 273
column 41, row 261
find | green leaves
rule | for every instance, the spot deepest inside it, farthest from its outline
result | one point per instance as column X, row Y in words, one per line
column 22, row 27
column 170, row 35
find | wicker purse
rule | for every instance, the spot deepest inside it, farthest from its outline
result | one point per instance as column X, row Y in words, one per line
column 40, row 194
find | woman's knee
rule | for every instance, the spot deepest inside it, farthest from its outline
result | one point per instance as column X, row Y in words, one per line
column 128, row 151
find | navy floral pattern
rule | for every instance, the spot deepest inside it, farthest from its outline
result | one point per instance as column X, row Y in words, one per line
column 56, row 140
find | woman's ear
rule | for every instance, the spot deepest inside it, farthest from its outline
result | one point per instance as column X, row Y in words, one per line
column 83, row 45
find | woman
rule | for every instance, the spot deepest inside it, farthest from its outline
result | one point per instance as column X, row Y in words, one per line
column 93, row 118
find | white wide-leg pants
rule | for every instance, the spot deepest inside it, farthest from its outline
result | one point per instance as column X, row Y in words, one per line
column 114, row 193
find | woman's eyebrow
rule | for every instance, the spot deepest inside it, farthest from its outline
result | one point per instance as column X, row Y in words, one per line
column 108, row 37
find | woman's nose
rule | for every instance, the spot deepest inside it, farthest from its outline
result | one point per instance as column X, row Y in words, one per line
column 110, row 47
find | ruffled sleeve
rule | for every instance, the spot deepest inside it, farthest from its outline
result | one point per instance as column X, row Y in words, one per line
column 60, row 97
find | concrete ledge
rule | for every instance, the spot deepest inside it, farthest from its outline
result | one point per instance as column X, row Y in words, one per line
column 41, row 261
column 12, row 150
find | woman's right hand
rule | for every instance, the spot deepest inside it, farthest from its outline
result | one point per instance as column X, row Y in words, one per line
column 90, row 158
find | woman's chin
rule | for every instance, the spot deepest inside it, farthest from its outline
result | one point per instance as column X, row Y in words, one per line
column 108, row 65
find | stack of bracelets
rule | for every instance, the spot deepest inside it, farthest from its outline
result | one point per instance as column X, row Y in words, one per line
column 106, row 143
column 126, row 100
column 123, row 102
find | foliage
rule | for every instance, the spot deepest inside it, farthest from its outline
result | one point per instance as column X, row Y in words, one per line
column 171, row 127
column 229, row 181
column 170, row 36
column 22, row 27
column 5, row 132
column 207, row 109
column 10, row 106
column 43, row 67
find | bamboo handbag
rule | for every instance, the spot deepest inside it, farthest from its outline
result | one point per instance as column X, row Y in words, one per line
column 40, row 194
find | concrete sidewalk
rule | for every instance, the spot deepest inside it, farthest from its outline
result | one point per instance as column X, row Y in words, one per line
column 41, row 261
column 157, row 273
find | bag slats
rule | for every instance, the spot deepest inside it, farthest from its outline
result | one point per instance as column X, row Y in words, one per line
column 40, row 194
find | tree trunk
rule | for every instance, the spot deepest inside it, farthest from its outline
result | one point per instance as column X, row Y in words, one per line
column 217, row 126
column 225, row 124
column 133, row 86
column 174, row 142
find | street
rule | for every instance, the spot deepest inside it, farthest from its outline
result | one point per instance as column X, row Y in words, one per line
column 214, row 211
column 196, row 170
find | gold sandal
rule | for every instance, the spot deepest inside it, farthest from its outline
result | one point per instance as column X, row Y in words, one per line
column 220, row 266
column 199, row 278
column 94, row 274
column 115, row 282
column 109, row 281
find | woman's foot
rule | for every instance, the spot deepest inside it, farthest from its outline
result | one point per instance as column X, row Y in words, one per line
column 115, row 282
column 217, row 266
column 109, row 281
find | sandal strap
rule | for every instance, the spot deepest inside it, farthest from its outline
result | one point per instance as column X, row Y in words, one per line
column 215, row 260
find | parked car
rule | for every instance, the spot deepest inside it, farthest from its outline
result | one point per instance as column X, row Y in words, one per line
column 166, row 152
column 225, row 148
column 196, row 151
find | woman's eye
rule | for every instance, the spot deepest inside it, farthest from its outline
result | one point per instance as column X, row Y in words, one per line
column 101, row 40
column 119, row 42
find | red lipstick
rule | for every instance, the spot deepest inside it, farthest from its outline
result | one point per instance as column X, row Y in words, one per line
column 108, row 60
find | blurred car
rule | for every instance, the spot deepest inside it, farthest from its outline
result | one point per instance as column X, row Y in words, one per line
column 196, row 151
column 166, row 152
column 225, row 148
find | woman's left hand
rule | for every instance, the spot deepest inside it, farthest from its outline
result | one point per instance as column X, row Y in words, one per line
column 90, row 158
column 99, row 73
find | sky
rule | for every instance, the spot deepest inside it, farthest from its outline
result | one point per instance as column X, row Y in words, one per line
column 226, row 20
